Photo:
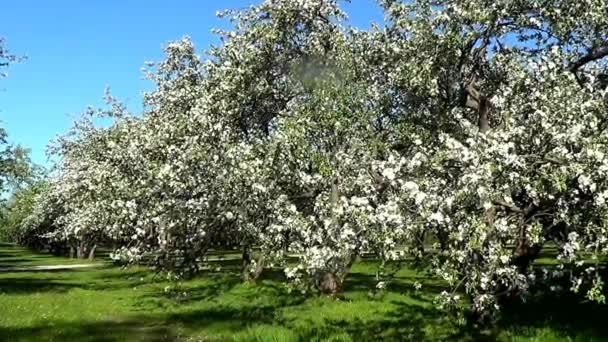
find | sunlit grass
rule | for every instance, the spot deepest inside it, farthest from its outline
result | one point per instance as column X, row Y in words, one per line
column 11, row 255
column 112, row 304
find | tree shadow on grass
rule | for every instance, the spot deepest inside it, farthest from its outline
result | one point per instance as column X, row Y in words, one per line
column 28, row 285
column 12, row 258
column 8, row 254
column 359, row 281
column 231, row 308
column 406, row 323
column 14, row 262
column 24, row 281
column 154, row 327
column 235, row 318
column 115, row 278
column 565, row 313
column 103, row 331
column 216, row 285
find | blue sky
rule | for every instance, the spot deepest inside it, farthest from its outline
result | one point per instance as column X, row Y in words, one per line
column 76, row 48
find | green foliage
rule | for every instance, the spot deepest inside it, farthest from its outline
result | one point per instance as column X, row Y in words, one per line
column 17, row 208
column 15, row 165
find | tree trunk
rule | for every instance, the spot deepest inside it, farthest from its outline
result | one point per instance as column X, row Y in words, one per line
column 84, row 251
column 525, row 254
column 444, row 239
column 259, row 268
column 332, row 283
column 246, row 273
column 246, row 263
column 92, row 252
column 477, row 101
column 420, row 239
column 329, row 283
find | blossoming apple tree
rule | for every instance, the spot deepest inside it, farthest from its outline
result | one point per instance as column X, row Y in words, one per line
column 467, row 134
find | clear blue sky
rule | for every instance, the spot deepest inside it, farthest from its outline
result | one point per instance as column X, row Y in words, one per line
column 76, row 48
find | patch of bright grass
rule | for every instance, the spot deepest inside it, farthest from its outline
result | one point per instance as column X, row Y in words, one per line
column 112, row 304
column 11, row 255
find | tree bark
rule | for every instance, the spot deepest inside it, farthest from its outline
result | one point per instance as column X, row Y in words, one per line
column 247, row 275
column 92, row 252
column 525, row 254
column 593, row 54
column 444, row 239
column 332, row 283
column 480, row 103
column 246, row 263
column 80, row 251
column 420, row 239
column 329, row 283
column 85, row 251
column 259, row 268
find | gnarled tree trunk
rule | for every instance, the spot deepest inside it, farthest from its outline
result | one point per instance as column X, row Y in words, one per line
column 85, row 251
column 331, row 282
column 246, row 273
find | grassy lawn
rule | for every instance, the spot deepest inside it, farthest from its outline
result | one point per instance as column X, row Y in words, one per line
column 112, row 304
column 11, row 255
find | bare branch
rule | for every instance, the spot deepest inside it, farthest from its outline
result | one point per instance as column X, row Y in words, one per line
column 511, row 207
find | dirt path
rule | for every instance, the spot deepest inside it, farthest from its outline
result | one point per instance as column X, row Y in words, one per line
column 45, row 267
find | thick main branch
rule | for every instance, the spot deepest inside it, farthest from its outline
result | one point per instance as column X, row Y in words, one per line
column 593, row 55
column 479, row 103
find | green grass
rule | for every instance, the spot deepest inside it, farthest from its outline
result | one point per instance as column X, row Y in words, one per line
column 112, row 304
column 11, row 255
